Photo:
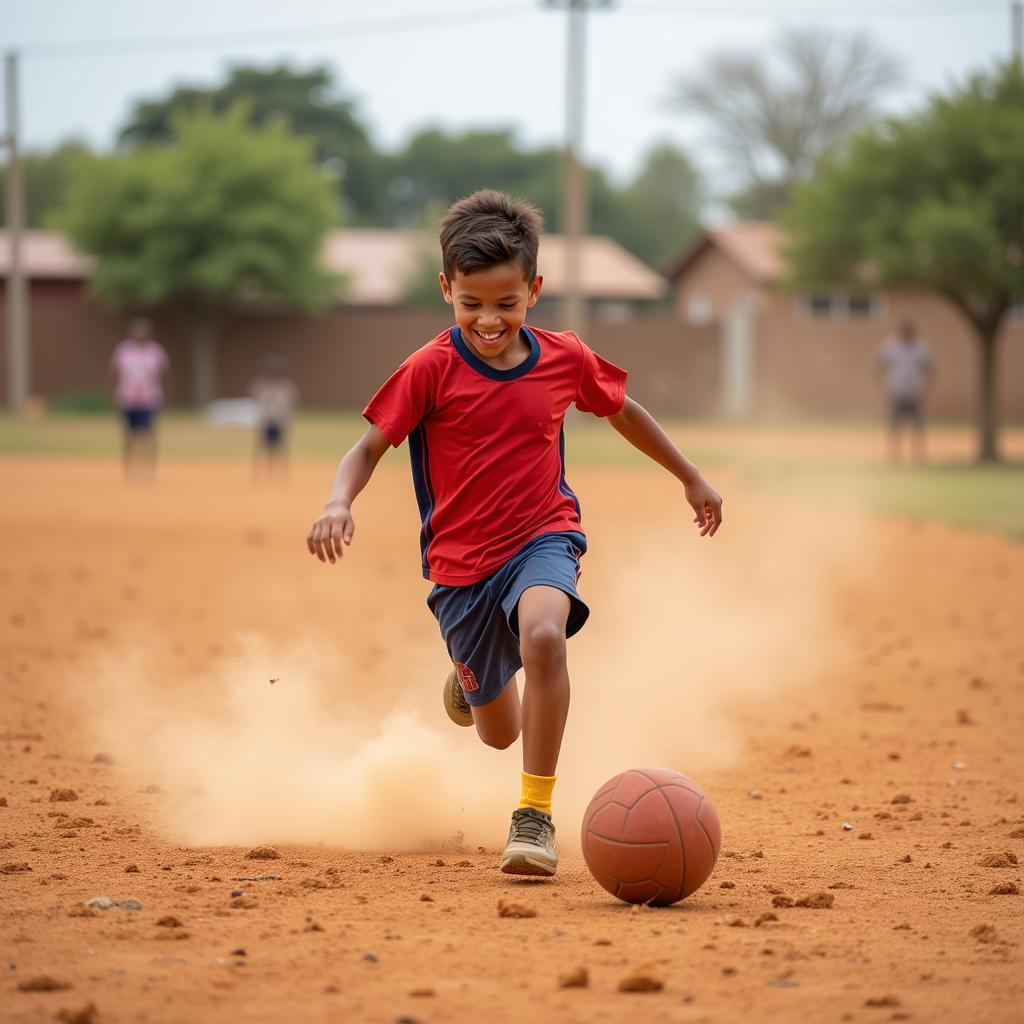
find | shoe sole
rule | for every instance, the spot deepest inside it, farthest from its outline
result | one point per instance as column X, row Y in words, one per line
column 457, row 716
column 519, row 863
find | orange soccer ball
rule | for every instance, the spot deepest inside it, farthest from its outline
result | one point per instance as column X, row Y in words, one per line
column 650, row 835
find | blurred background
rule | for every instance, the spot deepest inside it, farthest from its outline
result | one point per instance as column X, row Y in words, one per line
column 743, row 202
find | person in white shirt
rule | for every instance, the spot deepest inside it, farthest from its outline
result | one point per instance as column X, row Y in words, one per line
column 137, row 369
column 904, row 367
column 276, row 396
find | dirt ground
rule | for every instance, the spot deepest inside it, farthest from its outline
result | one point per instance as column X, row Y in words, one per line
column 811, row 668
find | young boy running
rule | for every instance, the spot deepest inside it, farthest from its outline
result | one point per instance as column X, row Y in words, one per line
column 482, row 405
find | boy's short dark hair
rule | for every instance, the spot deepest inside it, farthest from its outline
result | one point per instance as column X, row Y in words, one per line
column 488, row 228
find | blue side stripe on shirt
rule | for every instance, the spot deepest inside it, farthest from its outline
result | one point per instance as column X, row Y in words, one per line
column 419, row 456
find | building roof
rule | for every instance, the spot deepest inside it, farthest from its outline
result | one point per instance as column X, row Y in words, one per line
column 755, row 247
column 378, row 263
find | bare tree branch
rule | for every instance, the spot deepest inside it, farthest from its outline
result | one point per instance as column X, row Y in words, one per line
column 771, row 118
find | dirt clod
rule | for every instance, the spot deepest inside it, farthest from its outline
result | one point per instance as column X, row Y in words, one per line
column 902, row 798
column 984, row 933
column 84, row 1014
column 816, row 901
column 576, row 978
column 642, row 979
column 263, row 853
column 782, row 901
column 1005, row 889
column 1006, row 859
column 169, row 921
column 42, row 983
column 62, row 795
column 13, row 867
column 880, row 1002
column 515, row 910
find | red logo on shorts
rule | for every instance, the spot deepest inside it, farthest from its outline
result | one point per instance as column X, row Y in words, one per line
column 466, row 677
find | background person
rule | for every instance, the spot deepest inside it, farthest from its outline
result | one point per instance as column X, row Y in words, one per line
column 904, row 366
column 276, row 396
column 137, row 369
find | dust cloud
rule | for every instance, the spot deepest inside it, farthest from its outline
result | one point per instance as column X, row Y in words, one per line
column 684, row 636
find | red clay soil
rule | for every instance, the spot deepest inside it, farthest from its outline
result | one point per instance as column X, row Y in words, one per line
column 849, row 691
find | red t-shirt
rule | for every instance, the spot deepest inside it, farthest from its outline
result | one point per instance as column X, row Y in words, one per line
column 487, row 446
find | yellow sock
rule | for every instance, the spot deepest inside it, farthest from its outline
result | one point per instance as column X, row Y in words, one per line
column 537, row 790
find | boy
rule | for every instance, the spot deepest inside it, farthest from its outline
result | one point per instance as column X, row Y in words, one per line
column 482, row 405
column 137, row 369
column 904, row 365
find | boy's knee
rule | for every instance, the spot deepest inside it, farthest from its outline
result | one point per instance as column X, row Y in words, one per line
column 500, row 741
column 542, row 643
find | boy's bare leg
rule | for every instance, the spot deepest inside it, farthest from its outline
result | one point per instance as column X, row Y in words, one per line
column 543, row 613
column 499, row 722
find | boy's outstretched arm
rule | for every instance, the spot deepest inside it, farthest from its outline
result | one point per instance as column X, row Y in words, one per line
column 354, row 471
column 641, row 430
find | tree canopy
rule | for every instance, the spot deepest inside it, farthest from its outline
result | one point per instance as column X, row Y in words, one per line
column 48, row 175
column 931, row 201
column 312, row 106
column 227, row 212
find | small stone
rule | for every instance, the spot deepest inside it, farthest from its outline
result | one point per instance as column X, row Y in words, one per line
column 515, row 910
column 755, row 794
column 238, row 952
column 106, row 903
column 426, row 898
column 62, row 795
column 169, row 921
column 765, row 918
column 782, row 901
column 882, row 1001
column 959, row 766
column 263, row 853
column 727, row 885
column 1005, row 889
column 131, row 869
column 643, row 979
column 905, row 859
column 865, row 835
column 370, row 958
column 847, row 826
column 3, row 801
column 902, row 798
column 421, row 993
column 13, row 867
column 577, row 978
column 42, row 983
column 735, row 922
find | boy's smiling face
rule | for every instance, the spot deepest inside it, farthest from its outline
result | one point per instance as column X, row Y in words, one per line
column 490, row 308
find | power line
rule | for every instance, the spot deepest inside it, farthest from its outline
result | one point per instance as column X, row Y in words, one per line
column 706, row 12
column 105, row 47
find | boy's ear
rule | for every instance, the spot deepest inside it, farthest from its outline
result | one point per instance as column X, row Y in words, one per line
column 538, row 283
column 446, row 288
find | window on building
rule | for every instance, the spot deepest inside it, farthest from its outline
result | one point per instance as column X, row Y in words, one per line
column 699, row 310
column 840, row 305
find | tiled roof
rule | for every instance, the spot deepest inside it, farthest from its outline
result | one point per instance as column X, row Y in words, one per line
column 378, row 263
column 754, row 246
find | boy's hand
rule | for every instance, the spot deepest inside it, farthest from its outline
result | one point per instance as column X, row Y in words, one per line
column 327, row 533
column 707, row 503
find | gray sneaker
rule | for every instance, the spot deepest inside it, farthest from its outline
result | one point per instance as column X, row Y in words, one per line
column 531, row 844
column 455, row 703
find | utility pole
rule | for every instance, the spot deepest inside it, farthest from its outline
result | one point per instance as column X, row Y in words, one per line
column 574, row 184
column 17, row 338
column 1017, row 22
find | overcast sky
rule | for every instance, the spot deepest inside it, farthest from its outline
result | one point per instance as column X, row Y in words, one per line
column 457, row 63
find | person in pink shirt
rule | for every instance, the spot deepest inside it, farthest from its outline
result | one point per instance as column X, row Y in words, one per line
column 137, row 369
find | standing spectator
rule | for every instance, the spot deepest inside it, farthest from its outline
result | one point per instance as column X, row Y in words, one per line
column 276, row 396
column 137, row 369
column 903, row 365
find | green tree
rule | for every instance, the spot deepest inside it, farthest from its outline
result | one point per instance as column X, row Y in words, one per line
column 226, row 213
column 313, row 107
column 48, row 175
column 931, row 201
column 659, row 211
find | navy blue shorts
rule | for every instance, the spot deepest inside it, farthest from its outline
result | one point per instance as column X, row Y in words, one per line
column 273, row 435
column 480, row 623
column 906, row 409
column 138, row 419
